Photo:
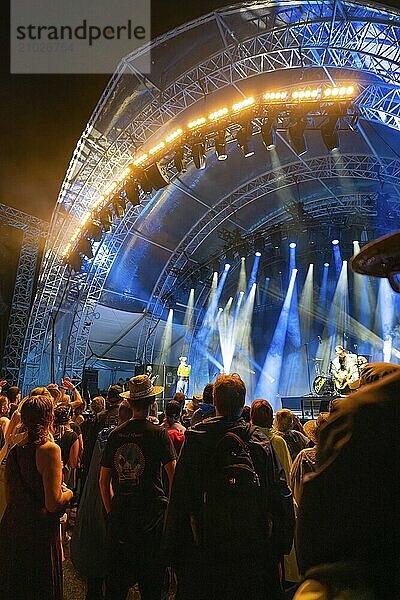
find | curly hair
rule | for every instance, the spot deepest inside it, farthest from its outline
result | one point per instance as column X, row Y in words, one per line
column 37, row 417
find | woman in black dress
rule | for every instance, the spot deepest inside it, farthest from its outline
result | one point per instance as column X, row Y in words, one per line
column 30, row 551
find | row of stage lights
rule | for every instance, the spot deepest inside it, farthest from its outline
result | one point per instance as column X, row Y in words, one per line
column 217, row 264
column 146, row 173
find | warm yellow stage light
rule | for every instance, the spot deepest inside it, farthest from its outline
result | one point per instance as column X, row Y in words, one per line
column 342, row 91
column 170, row 138
column 302, row 94
column 140, row 160
column 98, row 201
column 243, row 104
column 218, row 114
column 157, row 148
column 328, row 92
column 85, row 218
column 197, row 122
column 124, row 174
column 66, row 250
column 314, row 93
column 350, row 90
column 295, row 95
column 335, row 91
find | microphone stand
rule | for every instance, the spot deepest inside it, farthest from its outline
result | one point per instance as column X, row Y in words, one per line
column 308, row 367
column 306, row 345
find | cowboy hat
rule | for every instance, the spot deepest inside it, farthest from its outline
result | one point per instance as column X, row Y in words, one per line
column 379, row 258
column 310, row 429
column 140, row 387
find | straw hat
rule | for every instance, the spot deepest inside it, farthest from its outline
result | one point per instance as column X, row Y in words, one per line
column 380, row 257
column 140, row 387
column 310, row 429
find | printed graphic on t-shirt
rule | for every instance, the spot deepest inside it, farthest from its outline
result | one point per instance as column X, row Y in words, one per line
column 129, row 462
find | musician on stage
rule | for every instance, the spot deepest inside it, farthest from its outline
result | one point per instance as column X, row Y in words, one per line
column 183, row 376
column 344, row 369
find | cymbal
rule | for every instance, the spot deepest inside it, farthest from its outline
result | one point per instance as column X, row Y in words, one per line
column 315, row 359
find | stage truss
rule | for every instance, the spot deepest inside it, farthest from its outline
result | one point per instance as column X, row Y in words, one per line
column 34, row 230
column 271, row 37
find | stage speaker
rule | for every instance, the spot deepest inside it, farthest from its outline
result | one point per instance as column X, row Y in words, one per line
column 90, row 383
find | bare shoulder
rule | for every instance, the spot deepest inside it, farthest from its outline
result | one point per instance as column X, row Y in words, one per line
column 48, row 453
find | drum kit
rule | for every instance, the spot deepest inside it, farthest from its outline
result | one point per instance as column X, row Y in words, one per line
column 323, row 384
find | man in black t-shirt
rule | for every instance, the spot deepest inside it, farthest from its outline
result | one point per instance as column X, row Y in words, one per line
column 134, row 497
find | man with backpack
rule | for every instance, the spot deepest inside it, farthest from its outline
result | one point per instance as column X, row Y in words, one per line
column 230, row 518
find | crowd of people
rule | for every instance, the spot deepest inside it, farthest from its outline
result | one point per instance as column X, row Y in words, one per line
column 211, row 498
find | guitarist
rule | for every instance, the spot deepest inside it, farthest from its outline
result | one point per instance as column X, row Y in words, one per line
column 344, row 369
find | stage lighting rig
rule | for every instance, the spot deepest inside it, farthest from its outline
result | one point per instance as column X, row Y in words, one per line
column 259, row 245
column 220, row 145
column 268, row 133
column 119, row 206
column 199, row 153
column 85, row 247
column 180, row 160
column 94, row 231
column 132, row 193
column 216, row 265
column 329, row 132
column 229, row 255
column 105, row 217
column 243, row 248
column 296, row 133
column 75, row 261
column 244, row 141
column 157, row 176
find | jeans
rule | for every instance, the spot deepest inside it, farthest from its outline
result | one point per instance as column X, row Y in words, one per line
column 182, row 386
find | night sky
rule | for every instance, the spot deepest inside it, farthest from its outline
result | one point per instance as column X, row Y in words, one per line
column 43, row 116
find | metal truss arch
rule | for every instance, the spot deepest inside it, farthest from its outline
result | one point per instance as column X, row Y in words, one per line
column 274, row 36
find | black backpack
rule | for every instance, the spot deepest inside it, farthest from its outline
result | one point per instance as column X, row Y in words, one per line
column 231, row 502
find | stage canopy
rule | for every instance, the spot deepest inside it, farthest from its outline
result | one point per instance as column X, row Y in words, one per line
column 109, row 311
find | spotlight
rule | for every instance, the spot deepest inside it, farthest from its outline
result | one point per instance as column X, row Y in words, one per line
column 75, row 261
column 105, row 218
column 144, row 183
column 199, row 154
column 335, row 242
column 244, row 141
column 268, row 134
column 326, row 264
column 220, row 145
column 157, row 176
column 292, row 245
column 276, row 239
column 243, row 249
column 296, row 134
column 132, row 193
column 329, row 134
column 119, row 206
column 180, row 160
column 258, row 245
column 216, row 265
column 94, row 231
column 227, row 266
column 229, row 255
column 85, row 247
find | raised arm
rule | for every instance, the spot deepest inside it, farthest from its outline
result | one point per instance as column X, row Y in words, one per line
column 49, row 465
column 68, row 385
